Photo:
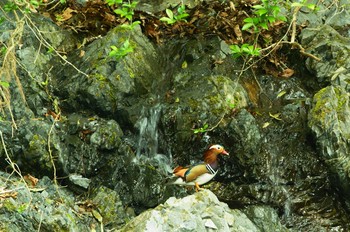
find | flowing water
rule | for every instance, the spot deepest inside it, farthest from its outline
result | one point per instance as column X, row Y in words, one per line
column 148, row 131
column 147, row 144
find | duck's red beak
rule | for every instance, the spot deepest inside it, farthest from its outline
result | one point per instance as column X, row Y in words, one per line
column 224, row 152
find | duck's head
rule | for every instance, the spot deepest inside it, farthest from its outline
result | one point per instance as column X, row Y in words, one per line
column 218, row 149
column 210, row 155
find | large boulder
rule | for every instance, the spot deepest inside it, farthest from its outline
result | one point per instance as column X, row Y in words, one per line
column 199, row 212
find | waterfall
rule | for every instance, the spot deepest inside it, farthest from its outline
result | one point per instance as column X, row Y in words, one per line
column 148, row 127
column 147, row 143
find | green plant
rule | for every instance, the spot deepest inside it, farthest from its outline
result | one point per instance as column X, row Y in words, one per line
column 266, row 13
column 303, row 3
column 230, row 104
column 122, row 51
column 4, row 84
column 127, row 10
column 10, row 6
column 28, row 6
column 35, row 3
column 201, row 129
column 113, row 2
column 3, row 50
column 244, row 50
column 180, row 16
column 131, row 26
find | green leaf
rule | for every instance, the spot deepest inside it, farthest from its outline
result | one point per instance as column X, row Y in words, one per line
column 181, row 16
column 4, row 84
column 248, row 20
column 256, row 52
column 134, row 4
column 120, row 12
column 247, row 26
column 169, row 13
column 312, row 6
column 34, row 3
column 181, row 9
column 111, row 2
column 261, row 12
column 271, row 19
column 130, row 26
column 126, row 43
column 282, row 18
column 258, row 7
column 235, row 48
column 264, row 26
column 167, row 20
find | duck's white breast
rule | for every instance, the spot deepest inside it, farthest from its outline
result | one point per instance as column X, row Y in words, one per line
column 202, row 179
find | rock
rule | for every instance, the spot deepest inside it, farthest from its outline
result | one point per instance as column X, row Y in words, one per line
column 331, row 47
column 79, row 181
column 201, row 211
column 265, row 218
column 45, row 206
column 108, row 81
column 328, row 119
column 110, row 207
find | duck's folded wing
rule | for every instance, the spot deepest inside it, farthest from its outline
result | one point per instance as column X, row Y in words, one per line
column 198, row 170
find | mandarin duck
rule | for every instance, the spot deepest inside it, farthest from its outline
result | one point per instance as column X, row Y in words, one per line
column 201, row 173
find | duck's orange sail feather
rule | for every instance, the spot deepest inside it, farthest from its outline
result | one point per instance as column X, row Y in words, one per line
column 180, row 171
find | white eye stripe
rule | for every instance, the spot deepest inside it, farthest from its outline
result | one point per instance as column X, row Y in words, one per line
column 216, row 147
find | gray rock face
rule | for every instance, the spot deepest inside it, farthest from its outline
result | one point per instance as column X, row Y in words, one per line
column 329, row 119
column 201, row 211
column 333, row 49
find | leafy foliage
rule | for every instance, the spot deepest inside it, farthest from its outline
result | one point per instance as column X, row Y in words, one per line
column 266, row 13
column 131, row 26
column 180, row 16
column 10, row 6
column 4, row 84
column 127, row 10
column 201, row 129
column 244, row 50
column 122, row 51
column 26, row 5
column 113, row 2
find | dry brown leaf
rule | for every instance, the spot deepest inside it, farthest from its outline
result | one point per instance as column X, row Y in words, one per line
column 109, row 17
column 238, row 32
column 287, row 73
column 67, row 14
column 7, row 194
column 31, row 180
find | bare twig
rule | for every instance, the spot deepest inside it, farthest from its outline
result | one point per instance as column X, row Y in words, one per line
column 14, row 166
column 42, row 40
column 294, row 23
